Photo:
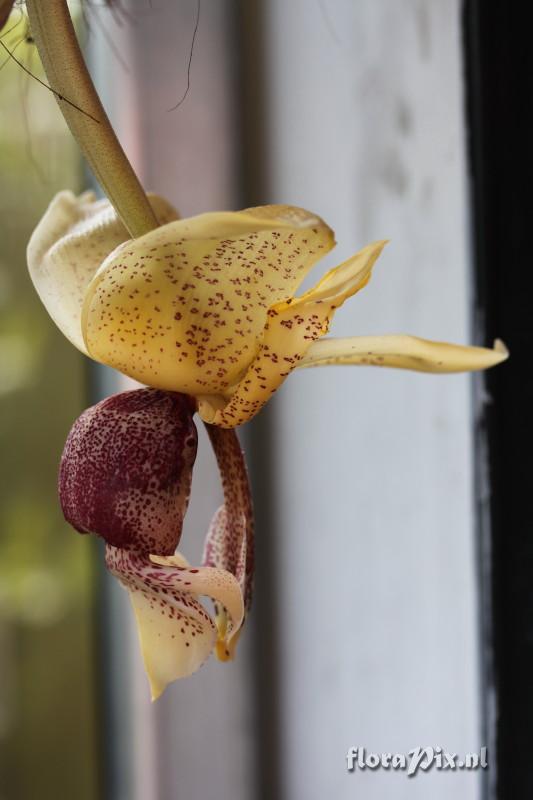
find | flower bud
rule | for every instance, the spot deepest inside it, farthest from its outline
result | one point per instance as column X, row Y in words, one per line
column 126, row 470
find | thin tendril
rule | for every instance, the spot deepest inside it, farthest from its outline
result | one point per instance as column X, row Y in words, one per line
column 29, row 145
column 178, row 104
column 12, row 28
column 8, row 58
column 46, row 86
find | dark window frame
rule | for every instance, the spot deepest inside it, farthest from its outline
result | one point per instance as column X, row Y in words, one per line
column 499, row 84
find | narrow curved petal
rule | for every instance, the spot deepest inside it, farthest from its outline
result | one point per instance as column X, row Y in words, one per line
column 403, row 352
column 175, row 631
column 75, row 235
column 291, row 329
column 230, row 540
column 183, row 307
column 217, row 583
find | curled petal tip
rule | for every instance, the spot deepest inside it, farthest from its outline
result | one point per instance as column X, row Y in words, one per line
column 226, row 645
column 502, row 350
column 228, row 635
column 222, row 654
column 222, row 651
column 155, row 690
column 225, row 649
column 487, row 357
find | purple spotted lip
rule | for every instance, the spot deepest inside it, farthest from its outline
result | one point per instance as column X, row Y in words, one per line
column 126, row 470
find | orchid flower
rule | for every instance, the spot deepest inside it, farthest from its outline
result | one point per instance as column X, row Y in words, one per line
column 205, row 306
column 200, row 308
column 203, row 311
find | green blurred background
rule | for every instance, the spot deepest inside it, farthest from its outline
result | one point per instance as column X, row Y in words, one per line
column 47, row 573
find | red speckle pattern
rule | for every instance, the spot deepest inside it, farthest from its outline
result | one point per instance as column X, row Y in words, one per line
column 184, row 306
column 126, row 470
column 230, row 539
column 166, row 590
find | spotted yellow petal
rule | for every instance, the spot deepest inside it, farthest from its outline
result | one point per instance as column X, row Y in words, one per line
column 175, row 631
column 183, row 308
column 403, row 352
column 68, row 246
column 291, row 329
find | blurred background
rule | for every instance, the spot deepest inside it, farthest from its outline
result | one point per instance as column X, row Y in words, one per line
column 48, row 672
column 365, row 630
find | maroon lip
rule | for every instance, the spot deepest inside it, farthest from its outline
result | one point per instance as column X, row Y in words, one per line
column 126, row 470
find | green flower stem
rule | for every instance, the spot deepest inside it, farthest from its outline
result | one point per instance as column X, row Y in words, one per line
column 67, row 74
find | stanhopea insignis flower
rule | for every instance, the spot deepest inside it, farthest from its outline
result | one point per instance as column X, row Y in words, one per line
column 125, row 475
column 203, row 311
column 206, row 306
